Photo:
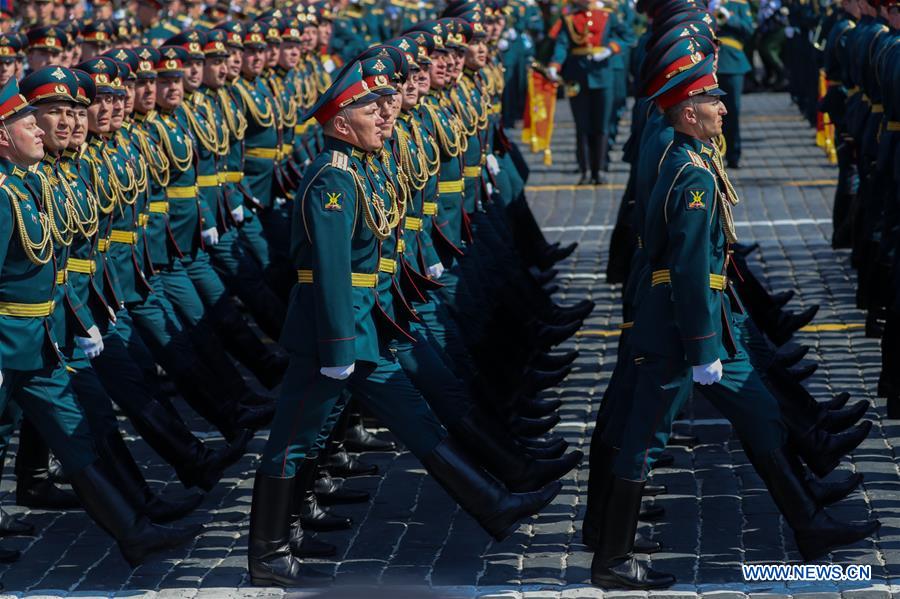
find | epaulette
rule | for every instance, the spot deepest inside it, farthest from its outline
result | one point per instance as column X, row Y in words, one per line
column 170, row 27
column 339, row 160
column 696, row 160
column 2, row 179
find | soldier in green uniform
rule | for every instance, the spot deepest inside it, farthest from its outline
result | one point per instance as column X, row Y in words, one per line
column 339, row 222
column 32, row 370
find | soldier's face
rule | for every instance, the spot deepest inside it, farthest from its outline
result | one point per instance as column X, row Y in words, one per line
column 423, row 81
column 80, row 127
column 21, row 141
column 45, row 13
column 409, row 92
column 169, row 92
column 215, row 72
column 193, row 74
column 129, row 97
column 117, row 117
column 476, row 55
column 289, row 55
column 272, row 52
column 38, row 59
column 309, row 36
column 7, row 71
column 253, row 61
column 235, row 58
column 89, row 51
column 324, row 31
column 145, row 96
column 708, row 115
column 388, row 109
column 437, row 72
column 362, row 126
column 55, row 119
column 100, row 114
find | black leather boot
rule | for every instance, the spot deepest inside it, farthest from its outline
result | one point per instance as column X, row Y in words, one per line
column 497, row 510
column 547, row 336
column 665, row 460
column 645, row 545
column 345, row 465
column 269, row 556
column 10, row 526
column 546, row 361
column 9, row 556
column 33, row 486
column 823, row 451
column 785, row 324
column 359, row 439
column 815, row 531
column 534, row 381
column 313, row 516
column 302, row 543
column 614, row 564
column 495, row 449
column 117, row 457
column 195, row 464
column 835, row 421
column 801, row 373
column 788, row 357
column 533, row 407
column 837, row 402
column 137, row 537
column 532, row 427
column 654, row 490
column 331, row 492
column 599, row 484
column 563, row 315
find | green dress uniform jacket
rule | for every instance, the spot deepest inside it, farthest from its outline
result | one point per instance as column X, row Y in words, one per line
column 583, row 33
column 733, row 34
column 335, row 250
column 262, row 145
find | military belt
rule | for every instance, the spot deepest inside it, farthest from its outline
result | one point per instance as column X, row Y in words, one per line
column 207, row 180
column 387, row 265
column 22, row 310
column 181, row 193
column 877, row 108
column 496, row 108
column 102, row 245
column 732, row 43
column 287, row 149
column 412, row 223
column 129, row 237
column 893, row 126
column 586, row 51
column 451, row 186
column 159, row 207
column 61, row 277
column 357, row 279
column 231, row 177
column 401, row 245
column 85, row 267
column 429, row 208
column 268, row 153
column 300, row 129
column 472, row 171
column 626, row 325
column 143, row 220
column 866, row 99
column 661, row 277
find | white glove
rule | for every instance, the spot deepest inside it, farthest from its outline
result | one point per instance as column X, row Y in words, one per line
column 503, row 45
column 210, row 236
column 489, row 188
column 707, row 374
column 602, row 55
column 280, row 201
column 338, row 373
column 238, row 214
column 329, row 65
column 511, row 34
column 493, row 165
column 526, row 41
column 436, row 270
column 789, row 32
column 553, row 73
column 725, row 12
column 1, row 379
column 91, row 345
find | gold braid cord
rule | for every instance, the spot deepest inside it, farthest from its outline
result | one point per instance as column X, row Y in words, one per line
column 61, row 220
column 87, row 224
column 237, row 122
column 265, row 118
column 179, row 163
column 727, row 199
column 104, row 187
column 40, row 252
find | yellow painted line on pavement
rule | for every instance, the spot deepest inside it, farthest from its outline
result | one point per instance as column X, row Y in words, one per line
column 811, row 328
column 771, row 118
column 811, row 183
column 832, row 327
column 537, row 188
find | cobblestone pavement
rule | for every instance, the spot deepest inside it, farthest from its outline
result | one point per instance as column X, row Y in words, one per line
column 411, row 538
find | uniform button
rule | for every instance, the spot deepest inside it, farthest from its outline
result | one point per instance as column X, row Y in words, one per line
column 588, row 13
column 590, row 23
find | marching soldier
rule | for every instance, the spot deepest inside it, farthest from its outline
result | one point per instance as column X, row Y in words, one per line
column 735, row 28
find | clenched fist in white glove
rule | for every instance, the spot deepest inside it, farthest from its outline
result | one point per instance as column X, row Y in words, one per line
column 1, row 379
column 553, row 73
column 492, row 165
column 338, row 373
column 436, row 270
column 91, row 345
column 238, row 214
column 210, row 236
column 707, row 374
column 601, row 55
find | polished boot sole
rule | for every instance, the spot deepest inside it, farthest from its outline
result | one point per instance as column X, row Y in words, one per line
column 515, row 525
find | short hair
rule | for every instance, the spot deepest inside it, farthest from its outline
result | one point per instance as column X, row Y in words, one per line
column 673, row 113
